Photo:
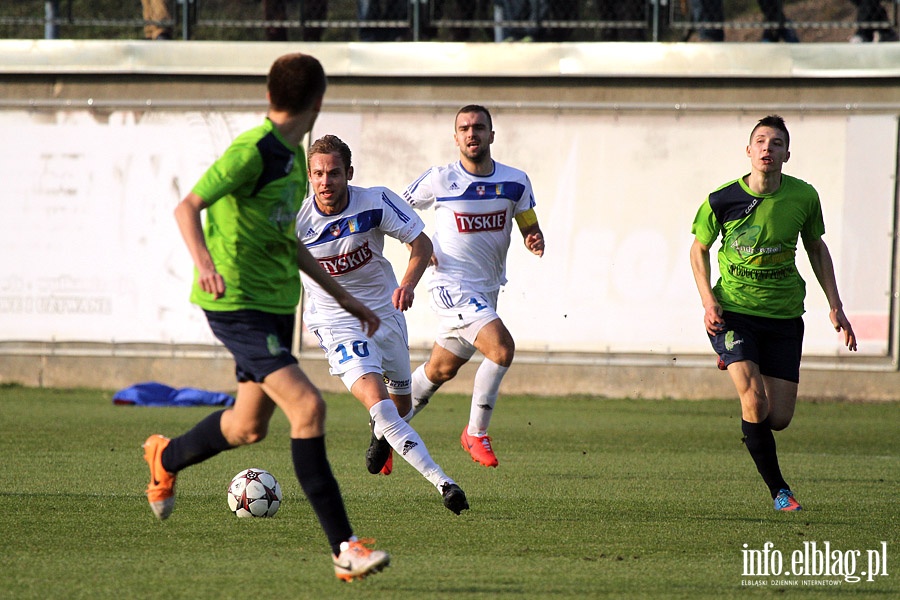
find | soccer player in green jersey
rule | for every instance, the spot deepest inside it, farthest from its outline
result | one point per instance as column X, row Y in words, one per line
column 247, row 282
column 753, row 315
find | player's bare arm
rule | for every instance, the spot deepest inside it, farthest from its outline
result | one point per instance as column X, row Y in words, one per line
column 823, row 266
column 712, row 311
column 187, row 215
column 307, row 263
column 432, row 260
column 420, row 256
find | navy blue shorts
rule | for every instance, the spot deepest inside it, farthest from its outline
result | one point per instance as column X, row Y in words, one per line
column 774, row 344
column 260, row 342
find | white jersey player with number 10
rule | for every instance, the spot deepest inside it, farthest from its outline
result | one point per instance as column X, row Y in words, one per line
column 344, row 229
column 475, row 201
column 350, row 247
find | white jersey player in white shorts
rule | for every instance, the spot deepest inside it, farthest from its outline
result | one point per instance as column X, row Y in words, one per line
column 475, row 200
column 344, row 228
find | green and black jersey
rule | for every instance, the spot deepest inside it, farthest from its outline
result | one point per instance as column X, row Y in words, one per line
column 757, row 259
column 254, row 191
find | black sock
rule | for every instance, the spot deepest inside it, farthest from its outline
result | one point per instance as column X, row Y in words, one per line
column 204, row 441
column 321, row 488
column 761, row 444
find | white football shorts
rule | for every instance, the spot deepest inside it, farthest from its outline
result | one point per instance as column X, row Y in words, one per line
column 351, row 354
column 461, row 315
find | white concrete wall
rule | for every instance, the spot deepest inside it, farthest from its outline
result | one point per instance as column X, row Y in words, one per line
column 90, row 252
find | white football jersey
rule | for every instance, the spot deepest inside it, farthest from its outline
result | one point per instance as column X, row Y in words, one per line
column 473, row 221
column 350, row 246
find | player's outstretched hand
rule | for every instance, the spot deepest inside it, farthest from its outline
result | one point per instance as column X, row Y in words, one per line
column 535, row 243
column 841, row 322
column 403, row 297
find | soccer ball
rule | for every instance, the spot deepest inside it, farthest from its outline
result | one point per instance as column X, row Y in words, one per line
column 254, row 493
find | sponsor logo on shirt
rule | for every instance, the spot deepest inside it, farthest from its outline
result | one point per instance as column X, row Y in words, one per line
column 761, row 275
column 341, row 264
column 469, row 223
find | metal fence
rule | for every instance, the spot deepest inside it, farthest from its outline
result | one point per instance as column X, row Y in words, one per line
column 455, row 20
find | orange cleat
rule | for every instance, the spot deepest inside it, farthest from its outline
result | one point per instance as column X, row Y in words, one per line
column 161, row 490
column 479, row 447
column 356, row 561
column 388, row 467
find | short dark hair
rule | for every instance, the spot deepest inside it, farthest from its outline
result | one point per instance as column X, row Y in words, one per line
column 475, row 108
column 295, row 82
column 331, row 144
column 775, row 122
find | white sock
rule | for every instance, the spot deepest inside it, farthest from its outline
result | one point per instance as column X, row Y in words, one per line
column 380, row 434
column 484, row 396
column 422, row 390
column 406, row 442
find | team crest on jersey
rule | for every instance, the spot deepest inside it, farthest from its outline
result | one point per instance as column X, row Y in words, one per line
column 335, row 229
column 475, row 223
column 480, row 190
column 339, row 264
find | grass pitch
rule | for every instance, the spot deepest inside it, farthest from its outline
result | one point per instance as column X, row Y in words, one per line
column 593, row 498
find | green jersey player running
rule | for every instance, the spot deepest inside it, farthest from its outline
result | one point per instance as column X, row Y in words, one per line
column 246, row 280
column 753, row 315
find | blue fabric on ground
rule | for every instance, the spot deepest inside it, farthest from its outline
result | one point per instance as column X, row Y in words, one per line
column 152, row 393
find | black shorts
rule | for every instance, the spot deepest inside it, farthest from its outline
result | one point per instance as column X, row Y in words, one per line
column 260, row 342
column 774, row 344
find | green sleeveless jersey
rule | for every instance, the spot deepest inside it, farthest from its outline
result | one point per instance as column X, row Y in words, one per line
column 757, row 259
column 254, row 191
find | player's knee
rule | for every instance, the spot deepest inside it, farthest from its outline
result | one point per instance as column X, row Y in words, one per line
column 502, row 354
column 440, row 373
column 308, row 413
column 779, row 423
column 442, row 376
column 318, row 410
column 403, row 404
column 248, row 433
column 506, row 353
column 257, row 435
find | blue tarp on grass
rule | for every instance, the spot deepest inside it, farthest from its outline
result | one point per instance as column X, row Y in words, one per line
column 157, row 394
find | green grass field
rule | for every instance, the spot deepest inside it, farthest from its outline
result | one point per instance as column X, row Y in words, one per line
column 593, row 498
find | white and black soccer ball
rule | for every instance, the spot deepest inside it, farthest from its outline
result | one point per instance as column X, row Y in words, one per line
column 254, row 493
